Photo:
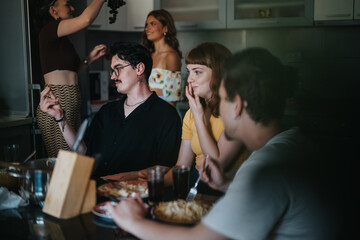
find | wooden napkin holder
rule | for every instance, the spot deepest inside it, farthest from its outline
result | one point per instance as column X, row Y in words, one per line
column 70, row 192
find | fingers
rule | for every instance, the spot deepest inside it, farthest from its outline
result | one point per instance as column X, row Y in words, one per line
column 139, row 200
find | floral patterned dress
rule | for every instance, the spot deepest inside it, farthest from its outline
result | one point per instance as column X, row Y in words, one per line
column 168, row 81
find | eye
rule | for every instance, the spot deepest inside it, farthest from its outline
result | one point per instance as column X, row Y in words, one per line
column 197, row 72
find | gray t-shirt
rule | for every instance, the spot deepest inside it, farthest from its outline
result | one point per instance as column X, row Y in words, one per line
column 278, row 193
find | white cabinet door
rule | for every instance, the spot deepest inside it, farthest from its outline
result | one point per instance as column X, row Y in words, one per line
column 100, row 21
column 274, row 13
column 137, row 10
column 357, row 9
column 130, row 17
column 333, row 10
column 196, row 14
column 120, row 22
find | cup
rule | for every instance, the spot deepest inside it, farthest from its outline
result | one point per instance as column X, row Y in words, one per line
column 155, row 180
column 11, row 152
column 181, row 175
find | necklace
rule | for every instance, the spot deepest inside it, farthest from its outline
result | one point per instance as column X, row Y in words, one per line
column 132, row 105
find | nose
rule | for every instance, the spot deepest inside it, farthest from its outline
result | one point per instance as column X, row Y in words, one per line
column 113, row 76
column 190, row 78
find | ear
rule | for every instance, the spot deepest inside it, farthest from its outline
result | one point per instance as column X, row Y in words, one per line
column 53, row 12
column 140, row 68
column 165, row 29
column 238, row 106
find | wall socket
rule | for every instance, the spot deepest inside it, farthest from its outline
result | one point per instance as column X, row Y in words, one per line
column 293, row 57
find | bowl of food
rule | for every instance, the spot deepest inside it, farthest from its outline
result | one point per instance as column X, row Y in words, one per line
column 124, row 189
column 180, row 211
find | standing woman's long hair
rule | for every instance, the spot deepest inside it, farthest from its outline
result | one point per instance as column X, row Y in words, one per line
column 212, row 55
column 167, row 20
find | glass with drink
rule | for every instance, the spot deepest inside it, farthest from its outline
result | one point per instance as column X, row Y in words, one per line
column 155, row 180
column 181, row 181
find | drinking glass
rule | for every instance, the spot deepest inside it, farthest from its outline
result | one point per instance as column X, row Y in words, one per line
column 181, row 175
column 155, row 180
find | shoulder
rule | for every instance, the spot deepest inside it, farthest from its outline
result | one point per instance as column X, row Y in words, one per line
column 49, row 30
column 173, row 62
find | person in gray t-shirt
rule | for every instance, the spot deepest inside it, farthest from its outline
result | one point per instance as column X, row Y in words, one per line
column 278, row 193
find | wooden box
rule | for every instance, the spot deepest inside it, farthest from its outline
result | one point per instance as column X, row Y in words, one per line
column 68, row 185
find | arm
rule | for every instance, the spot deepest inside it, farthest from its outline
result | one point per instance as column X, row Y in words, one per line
column 129, row 215
column 223, row 151
column 50, row 105
column 72, row 25
column 214, row 175
column 186, row 157
column 96, row 53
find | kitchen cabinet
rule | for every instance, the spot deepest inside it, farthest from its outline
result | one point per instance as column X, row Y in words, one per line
column 357, row 9
column 193, row 15
column 263, row 13
column 337, row 11
column 333, row 10
column 130, row 17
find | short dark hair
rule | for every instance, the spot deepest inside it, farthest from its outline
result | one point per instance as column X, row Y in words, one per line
column 134, row 53
column 258, row 78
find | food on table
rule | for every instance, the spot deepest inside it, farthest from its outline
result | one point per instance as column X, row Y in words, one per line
column 124, row 189
column 180, row 211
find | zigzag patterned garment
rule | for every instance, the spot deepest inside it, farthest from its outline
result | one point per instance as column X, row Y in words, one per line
column 70, row 100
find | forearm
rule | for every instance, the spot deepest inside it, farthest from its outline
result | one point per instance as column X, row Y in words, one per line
column 149, row 229
column 69, row 135
column 207, row 143
column 91, row 12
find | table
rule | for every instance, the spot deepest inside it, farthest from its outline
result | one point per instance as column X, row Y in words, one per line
column 31, row 223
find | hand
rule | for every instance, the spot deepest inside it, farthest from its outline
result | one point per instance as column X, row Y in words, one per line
column 142, row 174
column 97, row 52
column 50, row 104
column 128, row 211
column 213, row 175
column 194, row 102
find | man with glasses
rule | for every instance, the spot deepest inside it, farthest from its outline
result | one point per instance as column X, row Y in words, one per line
column 133, row 133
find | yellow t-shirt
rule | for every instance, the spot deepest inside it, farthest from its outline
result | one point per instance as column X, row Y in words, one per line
column 216, row 127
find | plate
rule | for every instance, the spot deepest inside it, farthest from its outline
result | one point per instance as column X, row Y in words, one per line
column 174, row 211
column 101, row 211
column 124, row 189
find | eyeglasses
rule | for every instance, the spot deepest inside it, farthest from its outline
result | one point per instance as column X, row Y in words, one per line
column 117, row 70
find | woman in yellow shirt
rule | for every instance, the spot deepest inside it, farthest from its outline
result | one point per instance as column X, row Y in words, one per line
column 203, row 129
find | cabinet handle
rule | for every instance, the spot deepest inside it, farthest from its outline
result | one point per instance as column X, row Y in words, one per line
column 269, row 22
column 95, row 26
column 338, row 15
column 138, row 27
column 189, row 26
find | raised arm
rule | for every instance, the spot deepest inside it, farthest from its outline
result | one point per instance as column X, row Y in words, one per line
column 73, row 25
column 97, row 52
column 50, row 105
column 223, row 151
